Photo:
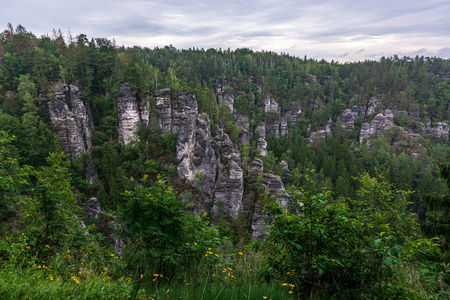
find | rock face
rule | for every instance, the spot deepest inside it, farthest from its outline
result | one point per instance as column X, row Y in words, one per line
column 321, row 133
column 164, row 109
column 379, row 124
column 184, row 121
column 129, row 115
column 349, row 116
column 261, row 145
column 224, row 96
column 71, row 116
column 261, row 130
column 212, row 164
column 440, row 129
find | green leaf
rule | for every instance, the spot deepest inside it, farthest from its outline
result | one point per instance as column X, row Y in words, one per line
column 396, row 251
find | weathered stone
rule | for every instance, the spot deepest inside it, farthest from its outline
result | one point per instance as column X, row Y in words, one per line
column 372, row 106
column 71, row 116
column 244, row 137
column 92, row 208
column 229, row 187
column 440, row 128
column 164, row 109
column 227, row 100
column 204, row 161
column 261, row 145
column 129, row 115
column 261, row 130
column 379, row 124
column 321, row 133
column 184, row 121
column 284, row 166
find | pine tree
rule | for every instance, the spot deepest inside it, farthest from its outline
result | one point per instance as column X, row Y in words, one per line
column 437, row 222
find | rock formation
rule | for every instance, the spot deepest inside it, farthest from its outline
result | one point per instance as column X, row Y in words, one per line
column 164, row 109
column 71, row 116
column 129, row 114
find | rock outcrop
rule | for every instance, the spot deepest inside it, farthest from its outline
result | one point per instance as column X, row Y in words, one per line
column 129, row 115
column 315, row 135
column 164, row 109
column 379, row 124
column 440, row 129
column 261, row 145
column 71, row 116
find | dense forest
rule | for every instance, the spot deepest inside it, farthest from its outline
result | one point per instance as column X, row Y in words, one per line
column 129, row 172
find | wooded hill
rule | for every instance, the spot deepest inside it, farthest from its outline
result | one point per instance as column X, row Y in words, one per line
column 221, row 126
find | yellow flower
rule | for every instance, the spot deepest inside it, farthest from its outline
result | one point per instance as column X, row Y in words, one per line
column 209, row 249
column 292, row 285
column 160, row 275
column 216, row 255
column 290, row 292
column 206, row 254
column 154, row 279
column 195, row 244
column 284, row 284
column 75, row 279
column 142, row 276
column 230, row 269
column 187, row 283
column 68, row 250
column 240, row 253
column 288, row 273
column 264, row 297
column 156, row 275
column 112, row 254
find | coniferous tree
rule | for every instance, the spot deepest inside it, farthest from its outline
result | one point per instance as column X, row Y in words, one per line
column 437, row 222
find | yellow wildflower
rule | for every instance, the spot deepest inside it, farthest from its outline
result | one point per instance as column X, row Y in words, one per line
column 195, row 244
column 240, row 253
column 290, row 292
column 284, row 284
column 292, row 285
column 141, row 275
column 216, row 255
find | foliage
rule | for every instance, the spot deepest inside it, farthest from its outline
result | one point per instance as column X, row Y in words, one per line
column 353, row 249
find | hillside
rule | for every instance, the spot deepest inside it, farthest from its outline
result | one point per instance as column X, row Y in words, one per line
column 220, row 126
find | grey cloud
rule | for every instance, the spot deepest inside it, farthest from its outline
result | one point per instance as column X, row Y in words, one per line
column 321, row 27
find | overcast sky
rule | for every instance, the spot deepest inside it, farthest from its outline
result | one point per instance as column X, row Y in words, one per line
column 343, row 30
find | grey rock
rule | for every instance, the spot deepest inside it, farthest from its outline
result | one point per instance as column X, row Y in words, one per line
column 321, row 133
column 244, row 137
column 227, row 100
column 129, row 115
column 379, row 124
column 440, row 128
column 372, row 106
column 261, row 145
column 261, row 130
column 164, row 109
column 184, row 121
column 92, row 208
column 270, row 105
column 71, row 116
column 284, row 166
column 72, row 119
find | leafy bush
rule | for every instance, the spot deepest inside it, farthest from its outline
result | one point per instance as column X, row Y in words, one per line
column 352, row 249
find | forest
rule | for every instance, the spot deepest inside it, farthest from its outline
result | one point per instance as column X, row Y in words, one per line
column 164, row 173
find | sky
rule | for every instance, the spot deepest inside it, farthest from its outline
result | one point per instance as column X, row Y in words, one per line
column 339, row 30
